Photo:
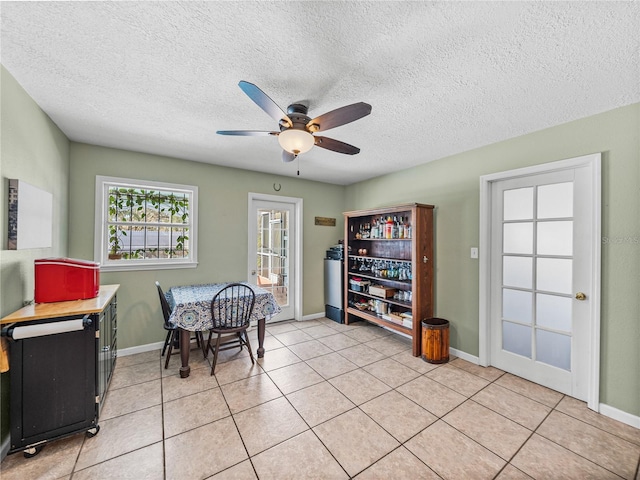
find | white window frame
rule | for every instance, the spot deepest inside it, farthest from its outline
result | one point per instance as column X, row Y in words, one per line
column 101, row 243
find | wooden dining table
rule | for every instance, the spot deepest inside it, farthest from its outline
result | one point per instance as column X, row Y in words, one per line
column 191, row 312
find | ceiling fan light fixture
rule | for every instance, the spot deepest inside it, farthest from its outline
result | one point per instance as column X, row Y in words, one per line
column 296, row 141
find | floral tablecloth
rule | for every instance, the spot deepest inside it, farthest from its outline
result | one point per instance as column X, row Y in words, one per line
column 191, row 305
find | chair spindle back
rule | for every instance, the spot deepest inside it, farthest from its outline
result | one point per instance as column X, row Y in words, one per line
column 232, row 306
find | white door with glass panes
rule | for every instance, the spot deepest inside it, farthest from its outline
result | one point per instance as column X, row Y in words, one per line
column 543, row 292
column 272, row 251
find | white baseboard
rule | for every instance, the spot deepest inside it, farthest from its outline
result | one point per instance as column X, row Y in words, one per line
column 464, row 356
column 619, row 415
column 123, row 352
column 313, row 316
column 395, row 332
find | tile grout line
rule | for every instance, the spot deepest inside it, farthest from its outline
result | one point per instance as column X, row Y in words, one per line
column 400, row 443
column 327, row 380
column 164, row 446
column 595, row 426
column 533, row 432
column 305, row 421
column 507, row 462
column 233, row 419
column 445, row 414
column 470, row 398
column 74, row 471
column 567, row 448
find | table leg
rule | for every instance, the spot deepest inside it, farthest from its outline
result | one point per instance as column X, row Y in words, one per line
column 261, row 324
column 185, row 344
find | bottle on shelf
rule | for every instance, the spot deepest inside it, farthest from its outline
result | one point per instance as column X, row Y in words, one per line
column 388, row 228
column 395, row 253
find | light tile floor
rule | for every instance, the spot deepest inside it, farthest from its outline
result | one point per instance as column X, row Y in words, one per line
column 331, row 401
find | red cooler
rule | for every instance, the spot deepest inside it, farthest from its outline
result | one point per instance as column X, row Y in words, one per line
column 61, row 279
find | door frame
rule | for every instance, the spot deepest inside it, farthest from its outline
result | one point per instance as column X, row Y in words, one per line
column 297, row 243
column 593, row 162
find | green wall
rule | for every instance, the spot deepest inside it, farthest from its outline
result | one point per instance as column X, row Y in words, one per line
column 452, row 185
column 34, row 150
column 222, row 229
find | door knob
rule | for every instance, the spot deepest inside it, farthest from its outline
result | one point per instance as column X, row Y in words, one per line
column 253, row 272
column 580, row 296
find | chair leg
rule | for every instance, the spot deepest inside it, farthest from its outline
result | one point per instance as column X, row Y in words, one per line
column 246, row 336
column 208, row 346
column 166, row 342
column 215, row 355
column 174, row 334
column 202, row 345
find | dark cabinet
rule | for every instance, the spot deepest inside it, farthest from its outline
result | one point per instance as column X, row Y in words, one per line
column 389, row 267
column 62, row 356
column 107, row 349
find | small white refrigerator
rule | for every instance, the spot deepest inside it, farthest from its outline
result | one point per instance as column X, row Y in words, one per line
column 333, row 289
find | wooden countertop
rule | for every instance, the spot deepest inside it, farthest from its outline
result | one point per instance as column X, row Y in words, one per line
column 39, row 311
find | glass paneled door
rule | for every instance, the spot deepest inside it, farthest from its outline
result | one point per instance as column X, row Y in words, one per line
column 541, row 278
column 272, row 245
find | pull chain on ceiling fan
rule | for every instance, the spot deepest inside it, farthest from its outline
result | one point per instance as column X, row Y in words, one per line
column 297, row 130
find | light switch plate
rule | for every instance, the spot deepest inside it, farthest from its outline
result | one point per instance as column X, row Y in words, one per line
column 474, row 252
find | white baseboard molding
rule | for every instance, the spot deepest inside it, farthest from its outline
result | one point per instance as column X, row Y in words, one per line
column 313, row 316
column 395, row 332
column 619, row 415
column 464, row 356
column 123, row 352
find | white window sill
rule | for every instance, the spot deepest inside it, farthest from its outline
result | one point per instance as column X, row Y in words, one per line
column 131, row 265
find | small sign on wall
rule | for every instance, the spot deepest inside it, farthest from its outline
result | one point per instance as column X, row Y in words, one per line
column 326, row 221
column 30, row 216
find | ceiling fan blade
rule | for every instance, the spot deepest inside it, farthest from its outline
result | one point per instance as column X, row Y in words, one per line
column 336, row 145
column 340, row 116
column 287, row 156
column 246, row 133
column 264, row 102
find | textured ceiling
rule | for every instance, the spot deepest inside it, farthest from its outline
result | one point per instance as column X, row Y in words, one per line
column 442, row 77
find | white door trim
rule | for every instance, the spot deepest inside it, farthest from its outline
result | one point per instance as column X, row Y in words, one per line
column 486, row 185
column 297, row 256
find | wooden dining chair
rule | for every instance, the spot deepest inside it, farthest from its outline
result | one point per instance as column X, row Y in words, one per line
column 231, row 311
column 173, row 333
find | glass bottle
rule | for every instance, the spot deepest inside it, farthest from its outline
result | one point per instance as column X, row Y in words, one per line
column 388, row 228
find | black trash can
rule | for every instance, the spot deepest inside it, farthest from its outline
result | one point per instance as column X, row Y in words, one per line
column 435, row 340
